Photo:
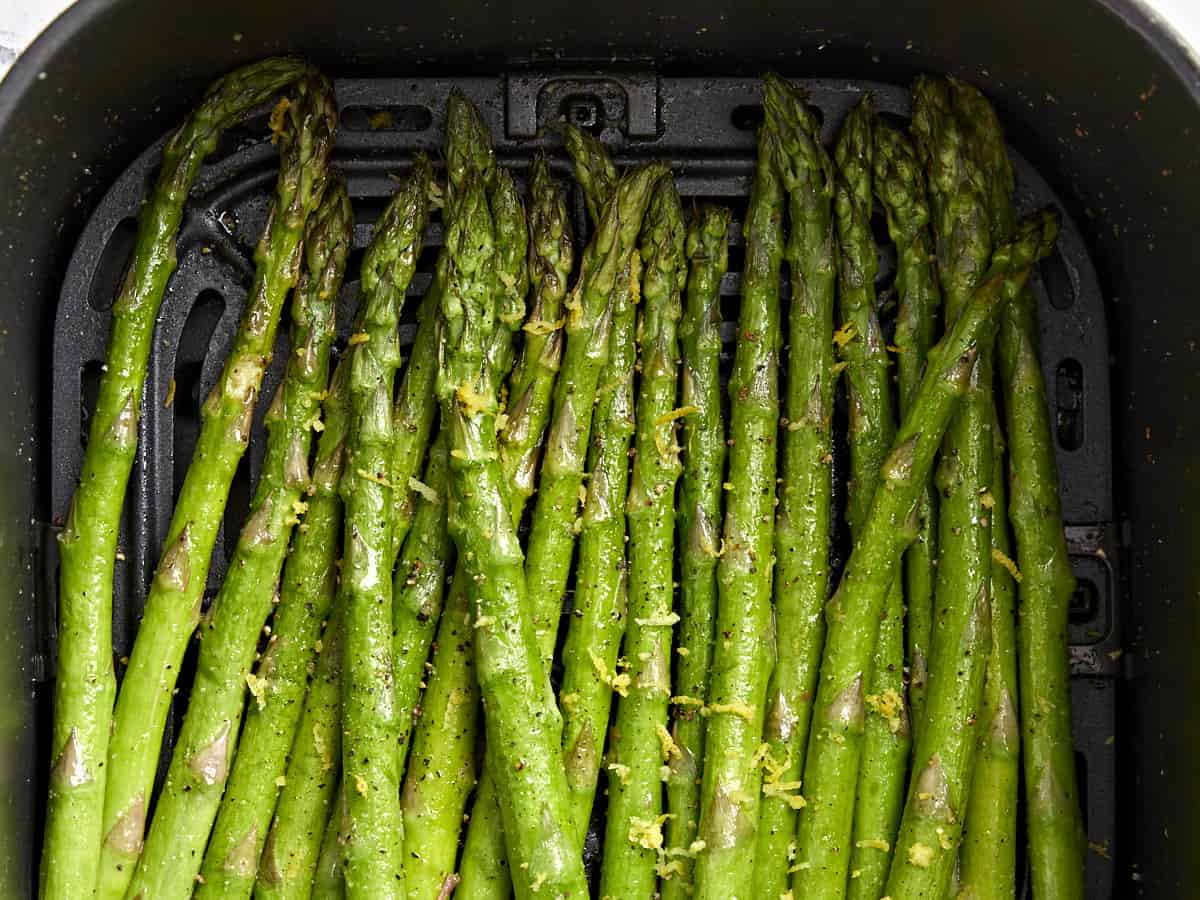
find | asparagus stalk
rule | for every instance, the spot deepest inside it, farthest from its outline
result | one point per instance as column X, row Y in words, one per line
column 308, row 790
column 289, row 857
column 988, row 863
column 370, row 725
column 1056, row 836
column 436, row 842
column 601, row 588
column 699, row 518
column 900, row 186
column 828, row 829
column 946, row 752
column 441, row 771
column 304, row 126
column 886, row 733
column 594, row 170
column 641, row 744
column 419, row 589
column 413, row 414
column 551, row 255
column 588, row 327
column 926, row 850
column 328, row 882
column 803, row 518
column 203, row 752
column 742, row 659
column 305, row 597
column 522, row 728
column 85, row 686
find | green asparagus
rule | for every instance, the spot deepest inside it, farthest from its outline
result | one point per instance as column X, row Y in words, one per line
column 743, row 655
column 641, row 744
column 328, row 882
column 419, row 589
column 601, row 587
column 988, row 859
column 802, row 526
column 413, row 415
column 305, row 597
column 85, row 685
column 588, row 327
column 990, row 828
column 370, row 724
column 285, row 869
column 846, row 805
column 594, row 170
column 551, row 255
column 436, row 842
column 699, row 520
column 926, row 850
column 304, row 126
column 204, row 750
column 945, row 754
column 887, row 737
column 900, row 186
column 441, row 770
column 522, row 727
column 1056, row 837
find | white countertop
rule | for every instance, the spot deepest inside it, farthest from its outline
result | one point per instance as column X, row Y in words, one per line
column 22, row 20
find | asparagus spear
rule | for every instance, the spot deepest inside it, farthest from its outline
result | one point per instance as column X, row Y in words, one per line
column 308, row 790
column 926, row 848
column 521, row 725
column 588, row 326
column 419, row 589
column 594, row 170
column 988, row 864
column 203, row 752
column 369, row 718
column 328, row 882
column 886, row 734
column 304, row 126
column 413, row 414
column 484, row 866
column 946, row 752
column 803, row 518
column 1056, row 835
column 601, row 588
column 85, row 687
column 742, row 658
column 828, row 826
column 641, row 744
column 551, row 255
column 436, row 842
column 699, row 515
column 441, row 771
column 289, row 856
column 900, row 186
column 305, row 597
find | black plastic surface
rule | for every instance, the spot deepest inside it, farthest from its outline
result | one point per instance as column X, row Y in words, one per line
column 704, row 127
column 1097, row 94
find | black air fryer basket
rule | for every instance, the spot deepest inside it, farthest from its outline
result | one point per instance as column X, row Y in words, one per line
column 1102, row 108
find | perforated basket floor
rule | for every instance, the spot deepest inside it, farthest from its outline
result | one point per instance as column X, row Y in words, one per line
column 705, row 128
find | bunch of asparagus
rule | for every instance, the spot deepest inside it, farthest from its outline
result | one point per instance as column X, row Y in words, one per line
column 378, row 711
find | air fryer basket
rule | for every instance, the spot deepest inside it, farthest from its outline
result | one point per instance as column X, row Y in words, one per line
column 671, row 82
